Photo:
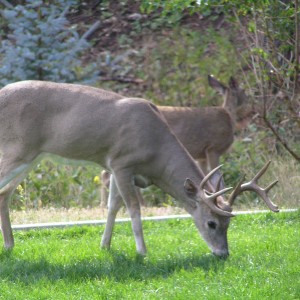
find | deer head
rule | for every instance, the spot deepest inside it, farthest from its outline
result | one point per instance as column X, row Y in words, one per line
column 212, row 217
column 212, row 214
column 235, row 100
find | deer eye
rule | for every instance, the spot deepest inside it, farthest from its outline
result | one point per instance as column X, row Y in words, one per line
column 212, row 224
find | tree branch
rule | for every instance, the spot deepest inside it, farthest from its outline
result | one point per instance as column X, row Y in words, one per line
column 122, row 79
column 91, row 30
column 279, row 138
column 7, row 4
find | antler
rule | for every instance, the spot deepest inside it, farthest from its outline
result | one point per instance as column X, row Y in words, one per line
column 209, row 197
column 219, row 183
column 252, row 185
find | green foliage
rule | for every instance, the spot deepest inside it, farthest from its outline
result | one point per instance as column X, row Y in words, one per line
column 178, row 67
column 68, row 264
column 271, row 37
column 174, row 6
column 267, row 31
column 209, row 7
column 55, row 185
column 41, row 45
column 154, row 196
column 243, row 155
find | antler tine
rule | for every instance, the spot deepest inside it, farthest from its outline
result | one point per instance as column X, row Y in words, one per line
column 261, row 172
column 218, row 185
column 208, row 197
column 253, row 186
column 271, row 185
column 212, row 196
column 236, row 191
column 206, row 178
column 208, row 200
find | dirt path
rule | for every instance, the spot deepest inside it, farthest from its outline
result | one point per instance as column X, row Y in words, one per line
column 76, row 214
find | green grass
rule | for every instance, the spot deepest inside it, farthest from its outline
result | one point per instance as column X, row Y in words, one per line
column 68, row 264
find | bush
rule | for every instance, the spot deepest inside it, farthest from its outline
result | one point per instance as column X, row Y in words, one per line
column 55, row 185
column 40, row 44
column 267, row 50
column 178, row 66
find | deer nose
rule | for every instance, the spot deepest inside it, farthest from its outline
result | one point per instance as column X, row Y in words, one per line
column 223, row 254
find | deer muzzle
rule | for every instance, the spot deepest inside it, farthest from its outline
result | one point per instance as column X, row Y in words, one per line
column 221, row 253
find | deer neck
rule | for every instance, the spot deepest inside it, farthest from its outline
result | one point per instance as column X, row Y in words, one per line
column 230, row 106
column 173, row 180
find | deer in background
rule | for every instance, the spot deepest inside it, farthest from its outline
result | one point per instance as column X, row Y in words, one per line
column 127, row 136
column 205, row 132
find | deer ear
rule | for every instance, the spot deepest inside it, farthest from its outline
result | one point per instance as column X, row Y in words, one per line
column 190, row 188
column 217, row 85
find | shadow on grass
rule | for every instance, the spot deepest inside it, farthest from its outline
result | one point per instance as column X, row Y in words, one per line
column 6, row 254
column 117, row 267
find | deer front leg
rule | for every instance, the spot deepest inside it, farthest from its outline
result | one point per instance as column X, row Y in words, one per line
column 5, row 222
column 212, row 161
column 115, row 202
column 202, row 163
column 124, row 181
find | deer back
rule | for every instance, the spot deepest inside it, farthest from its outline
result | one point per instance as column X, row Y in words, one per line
column 200, row 129
column 85, row 123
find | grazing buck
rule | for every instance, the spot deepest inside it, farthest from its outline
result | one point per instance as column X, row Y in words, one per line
column 205, row 132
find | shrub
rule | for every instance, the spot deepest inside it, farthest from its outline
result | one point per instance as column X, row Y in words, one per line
column 40, row 44
column 55, row 185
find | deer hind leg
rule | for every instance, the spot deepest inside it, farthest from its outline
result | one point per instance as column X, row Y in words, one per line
column 115, row 202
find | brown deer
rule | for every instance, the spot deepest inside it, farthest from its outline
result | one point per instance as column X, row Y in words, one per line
column 208, row 132
column 127, row 136
column 205, row 132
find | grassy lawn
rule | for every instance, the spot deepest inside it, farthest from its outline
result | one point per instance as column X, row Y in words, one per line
column 68, row 264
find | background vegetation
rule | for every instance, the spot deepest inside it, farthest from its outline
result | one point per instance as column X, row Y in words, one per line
column 163, row 51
